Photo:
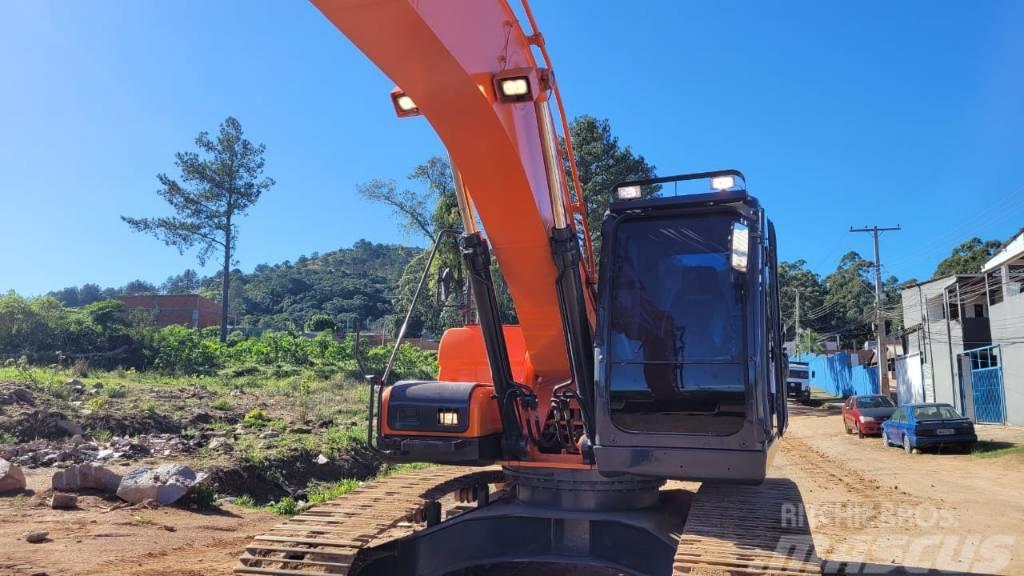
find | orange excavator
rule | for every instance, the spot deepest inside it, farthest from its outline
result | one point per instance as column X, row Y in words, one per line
column 665, row 365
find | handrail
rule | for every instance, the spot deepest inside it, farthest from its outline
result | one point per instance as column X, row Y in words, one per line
column 579, row 206
column 401, row 335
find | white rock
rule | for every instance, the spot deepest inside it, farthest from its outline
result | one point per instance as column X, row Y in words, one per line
column 221, row 445
column 321, row 459
column 12, row 479
column 88, row 476
column 165, row 484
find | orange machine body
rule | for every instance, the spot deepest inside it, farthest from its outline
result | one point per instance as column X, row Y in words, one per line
column 461, row 357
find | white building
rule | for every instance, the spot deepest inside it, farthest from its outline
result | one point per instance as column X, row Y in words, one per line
column 964, row 340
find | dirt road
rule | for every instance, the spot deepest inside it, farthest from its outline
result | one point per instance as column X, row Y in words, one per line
column 869, row 503
column 865, row 504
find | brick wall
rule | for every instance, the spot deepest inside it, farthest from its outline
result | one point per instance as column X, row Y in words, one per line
column 187, row 310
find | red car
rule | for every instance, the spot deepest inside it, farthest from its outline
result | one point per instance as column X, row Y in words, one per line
column 865, row 414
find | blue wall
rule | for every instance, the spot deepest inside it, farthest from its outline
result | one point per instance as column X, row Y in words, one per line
column 834, row 375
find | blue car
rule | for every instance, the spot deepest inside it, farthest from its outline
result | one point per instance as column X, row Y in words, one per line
column 927, row 426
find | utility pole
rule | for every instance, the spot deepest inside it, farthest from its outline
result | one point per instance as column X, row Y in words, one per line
column 883, row 362
column 797, row 325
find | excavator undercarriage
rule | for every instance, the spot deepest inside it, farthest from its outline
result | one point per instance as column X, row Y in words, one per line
column 447, row 521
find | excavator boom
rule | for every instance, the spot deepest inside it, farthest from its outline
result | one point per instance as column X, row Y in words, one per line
column 447, row 66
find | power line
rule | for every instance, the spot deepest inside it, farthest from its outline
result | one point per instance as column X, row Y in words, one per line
column 879, row 318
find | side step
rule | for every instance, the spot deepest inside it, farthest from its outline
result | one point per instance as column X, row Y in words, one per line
column 326, row 538
column 734, row 530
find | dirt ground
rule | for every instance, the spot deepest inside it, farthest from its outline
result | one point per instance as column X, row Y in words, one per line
column 868, row 503
column 865, row 503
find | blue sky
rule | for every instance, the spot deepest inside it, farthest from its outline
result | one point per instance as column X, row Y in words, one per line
column 840, row 114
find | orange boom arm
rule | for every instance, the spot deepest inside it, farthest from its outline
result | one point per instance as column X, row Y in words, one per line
column 447, row 67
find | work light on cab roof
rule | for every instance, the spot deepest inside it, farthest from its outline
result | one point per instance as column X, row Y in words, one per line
column 719, row 181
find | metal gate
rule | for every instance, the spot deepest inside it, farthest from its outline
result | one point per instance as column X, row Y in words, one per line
column 984, row 384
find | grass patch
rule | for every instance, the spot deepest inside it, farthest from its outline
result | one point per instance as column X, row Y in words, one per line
column 286, row 506
column 246, row 501
column 138, row 520
column 993, row 449
column 6, row 439
column 324, row 492
column 222, row 404
column 101, row 436
column 390, row 469
column 115, row 391
column 97, row 403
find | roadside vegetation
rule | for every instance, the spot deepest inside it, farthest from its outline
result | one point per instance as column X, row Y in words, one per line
column 993, row 449
column 275, row 416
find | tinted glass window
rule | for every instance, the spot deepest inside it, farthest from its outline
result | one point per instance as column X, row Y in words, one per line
column 874, row 402
column 802, row 374
column 675, row 341
column 922, row 413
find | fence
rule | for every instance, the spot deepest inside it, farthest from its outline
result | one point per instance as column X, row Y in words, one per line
column 835, row 375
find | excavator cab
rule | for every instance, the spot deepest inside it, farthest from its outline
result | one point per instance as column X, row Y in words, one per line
column 689, row 359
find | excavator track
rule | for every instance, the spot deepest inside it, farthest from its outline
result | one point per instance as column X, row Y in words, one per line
column 747, row 530
column 729, row 530
column 326, row 538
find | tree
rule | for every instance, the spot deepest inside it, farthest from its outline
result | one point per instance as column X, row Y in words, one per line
column 185, row 283
column 136, row 287
column 107, row 315
column 426, row 212
column 88, row 294
column 321, row 323
column 217, row 188
column 69, row 296
column 809, row 342
column 411, row 207
column 851, row 299
column 602, row 163
column 795, row 278
column 968, row 258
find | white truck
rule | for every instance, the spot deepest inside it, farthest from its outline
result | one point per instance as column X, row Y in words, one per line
column 798, row 382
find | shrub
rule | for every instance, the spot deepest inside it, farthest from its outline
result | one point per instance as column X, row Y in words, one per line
column 410, row 363
column 202, row 496
column 321, row 323
column 115, row 391
column 246, row 501
column 221, row 404
column 286, row 506
column 256, row 418
column 181, row 350
column 80, row 368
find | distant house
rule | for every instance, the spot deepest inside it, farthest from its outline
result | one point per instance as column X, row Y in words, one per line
column 190, row 310
column 964, row 340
